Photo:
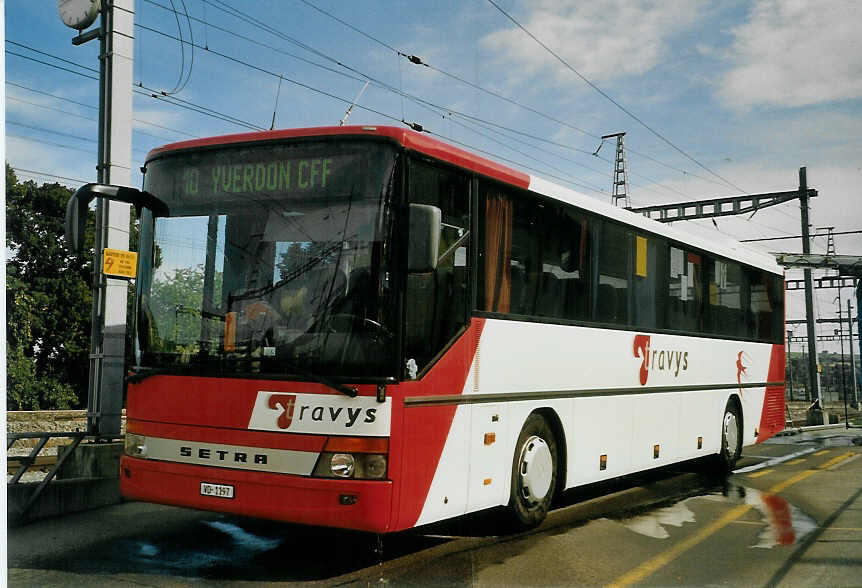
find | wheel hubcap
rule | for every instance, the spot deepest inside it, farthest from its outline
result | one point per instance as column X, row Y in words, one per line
column 731, row 434
column 536, row 470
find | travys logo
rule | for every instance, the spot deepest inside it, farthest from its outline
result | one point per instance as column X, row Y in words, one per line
column 284, row 402
column 743, row 362
column 320, row 414
column 671, row 361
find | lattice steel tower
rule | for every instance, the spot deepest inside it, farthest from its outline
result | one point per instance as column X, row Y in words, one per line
column 620, row 186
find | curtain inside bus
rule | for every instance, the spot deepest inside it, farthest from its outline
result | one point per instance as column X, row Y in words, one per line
column 498, row 252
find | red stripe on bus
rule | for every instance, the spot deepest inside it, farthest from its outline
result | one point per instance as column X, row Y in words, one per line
column 410, row 139
column 423, row 431
column 772, row 415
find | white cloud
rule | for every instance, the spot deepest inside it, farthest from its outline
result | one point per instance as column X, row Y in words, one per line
column 795, row 53
column 602, row 40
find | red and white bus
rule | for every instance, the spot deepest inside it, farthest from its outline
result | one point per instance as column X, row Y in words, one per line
column 367, row 328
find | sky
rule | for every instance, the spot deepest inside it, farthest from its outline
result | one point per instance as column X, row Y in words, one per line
column 716, row 98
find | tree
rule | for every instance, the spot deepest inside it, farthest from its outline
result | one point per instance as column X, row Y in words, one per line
column 48, row 300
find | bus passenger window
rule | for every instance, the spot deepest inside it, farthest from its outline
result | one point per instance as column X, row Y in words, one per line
column 572, row 266
column 766, row 295
column 650, row 295
column 685, row 291
column 725, row 313
column 614, row 275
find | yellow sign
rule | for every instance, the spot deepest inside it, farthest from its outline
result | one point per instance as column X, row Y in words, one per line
column 641, row 258
column 119, row 263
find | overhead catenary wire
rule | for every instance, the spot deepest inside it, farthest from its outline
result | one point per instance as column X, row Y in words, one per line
column 42, row 142
column 608, row 97
column 419, row 61
column 57, row 133
column 48, row 175
column 203, row 110
column 153, row 94
column 346, row 101
column 360, row 76
column 90, row 106
column 800, row 236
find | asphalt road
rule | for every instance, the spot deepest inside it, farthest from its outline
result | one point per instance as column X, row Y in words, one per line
column 791, row 515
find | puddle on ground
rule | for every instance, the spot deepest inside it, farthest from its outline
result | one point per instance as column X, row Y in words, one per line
column 235, row 548
column 783, row 523
column 842, row 441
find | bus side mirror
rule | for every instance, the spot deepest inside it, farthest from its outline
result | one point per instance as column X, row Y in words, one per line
column 424, row 243
column 76, row 209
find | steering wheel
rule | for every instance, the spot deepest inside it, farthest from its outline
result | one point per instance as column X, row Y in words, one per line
column 345, row 322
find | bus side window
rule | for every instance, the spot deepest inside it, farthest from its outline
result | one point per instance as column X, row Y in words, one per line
column 650, row 292
column 685, row 291
column 614, row 274
column 436, row 307
column 725, row 312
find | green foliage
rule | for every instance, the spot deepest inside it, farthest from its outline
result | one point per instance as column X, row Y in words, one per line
column 48, row 300
column 176, row 302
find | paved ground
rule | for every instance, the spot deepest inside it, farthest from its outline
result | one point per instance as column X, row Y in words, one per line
column 797, row 522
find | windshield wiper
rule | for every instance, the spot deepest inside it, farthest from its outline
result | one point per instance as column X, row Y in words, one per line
column 138, row 374
column 320, row 378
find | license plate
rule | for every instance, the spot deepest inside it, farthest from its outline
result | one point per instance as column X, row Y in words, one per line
column 217, row 490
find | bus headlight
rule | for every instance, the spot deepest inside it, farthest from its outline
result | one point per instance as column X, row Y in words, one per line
column 342, row 465
column 357, row 466
column 374, row 465
column 136, row 445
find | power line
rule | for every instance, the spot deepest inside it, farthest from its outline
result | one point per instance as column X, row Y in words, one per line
column 44, row 130
column 39, row 173
column 63, row 98
column 614, row 102
column 58, row 133
column 70, row 62
column 52, row 65
column 363, row 76
column 188, row 105
column 800, row 236
column 419, row 61
column 344, row 100
column 41, row 142
column 441, row 109
column 60, row 110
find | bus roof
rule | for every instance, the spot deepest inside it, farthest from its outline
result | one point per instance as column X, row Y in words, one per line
column 423, row 143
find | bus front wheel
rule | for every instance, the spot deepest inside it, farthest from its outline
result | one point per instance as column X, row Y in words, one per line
column 534, row 473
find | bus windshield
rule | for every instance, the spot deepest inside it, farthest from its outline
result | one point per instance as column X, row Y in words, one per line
column 274, row 259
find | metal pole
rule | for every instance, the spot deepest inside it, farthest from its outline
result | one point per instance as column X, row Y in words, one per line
column 790, row 364
column 841, row 343
column 813, row 357
column 852, row 355
column 107, row 355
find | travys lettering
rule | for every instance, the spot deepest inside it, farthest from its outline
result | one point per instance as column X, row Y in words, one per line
column 293, row 413
column 664, row 360
column 303, row 174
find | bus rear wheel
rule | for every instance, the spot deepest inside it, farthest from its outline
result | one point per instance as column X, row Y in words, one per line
column 731, row 436
column 534, row 473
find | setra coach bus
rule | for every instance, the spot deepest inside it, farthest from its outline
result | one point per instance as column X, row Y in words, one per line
column 367, row 328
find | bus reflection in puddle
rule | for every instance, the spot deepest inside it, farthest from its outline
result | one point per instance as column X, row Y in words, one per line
column 783, row 523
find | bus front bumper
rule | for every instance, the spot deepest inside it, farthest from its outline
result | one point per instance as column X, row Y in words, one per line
column 363, row 505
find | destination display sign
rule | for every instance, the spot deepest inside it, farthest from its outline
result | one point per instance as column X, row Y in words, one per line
column 248, row 174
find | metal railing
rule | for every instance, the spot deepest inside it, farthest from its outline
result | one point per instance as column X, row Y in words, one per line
column 25, row 462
